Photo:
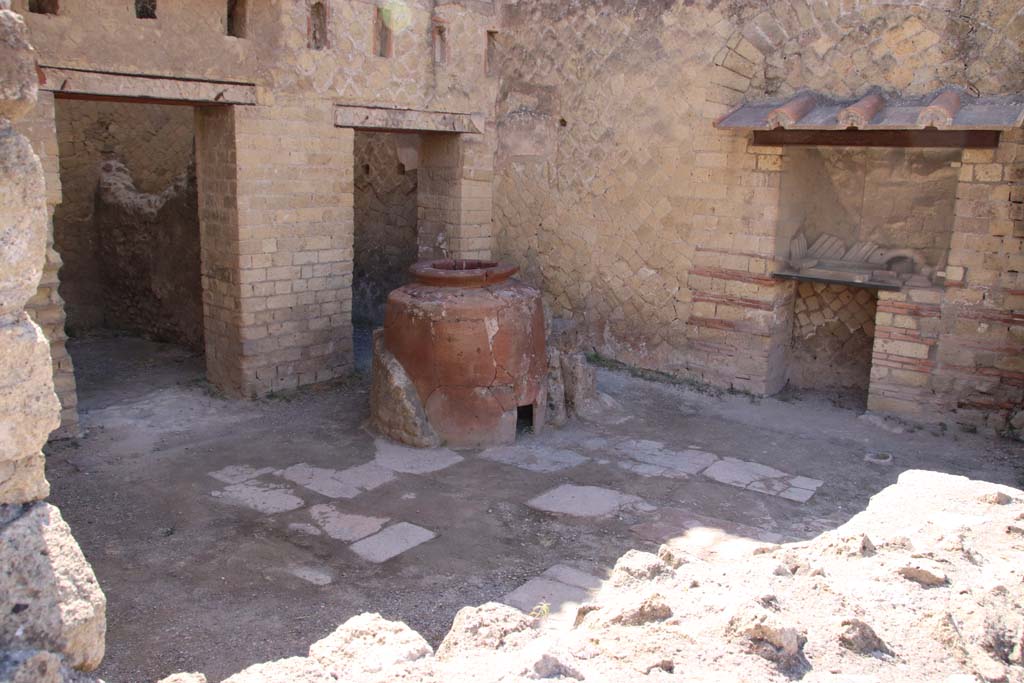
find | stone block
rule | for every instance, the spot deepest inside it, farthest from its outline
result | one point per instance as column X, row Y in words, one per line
column 49, row 597
column 395, row 405
column 290, row 670
column 19, row 83
column 29, row 410
column 23, row 480
column 580, row 382
column 30, row 666
column 556, row 412
column 23, row 222
column 367, row 645
column 491, row 626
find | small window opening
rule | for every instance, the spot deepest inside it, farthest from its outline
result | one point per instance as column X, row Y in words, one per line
column 44, row 6
column 382, row 34
column 236, row 18
column 317, row 26
column 440, row 42
column 491, row 54
column 145, row 9
column 524, row 419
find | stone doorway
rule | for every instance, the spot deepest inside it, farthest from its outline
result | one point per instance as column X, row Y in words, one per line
column 127, row 230
column 385, row 241
column 128, row 226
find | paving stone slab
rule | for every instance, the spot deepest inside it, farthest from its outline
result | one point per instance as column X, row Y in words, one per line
column 572, row 577
column 805, row 483
column 740, row 473
column 314, row 575
column 408, row 460
column 391, row 542
column 754, row 476
column 797, row 494
column 559, row 596
column 583, row 501
column 345, row 527
column 326, row 482
column 236, row 474
column 260, row 496
column 535, row 458
column 366, row 477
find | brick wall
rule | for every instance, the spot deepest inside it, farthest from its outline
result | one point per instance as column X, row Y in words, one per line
column 217, row 189
column 455, row 196
column 657, row 234
column 276, row 208
column 833, row 333
column 979, row 378
column 907, row 328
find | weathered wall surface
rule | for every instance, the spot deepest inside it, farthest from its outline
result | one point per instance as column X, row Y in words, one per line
column 155, row 143
column 385, row 221
column 957, row 353
column 656, row 232
column 279, row 266
column 47, row 306
column 833, row 334
column 895, row 198
column 147, row 252
column 52, row 612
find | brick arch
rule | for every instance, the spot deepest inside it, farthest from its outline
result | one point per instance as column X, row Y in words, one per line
column 911, row 49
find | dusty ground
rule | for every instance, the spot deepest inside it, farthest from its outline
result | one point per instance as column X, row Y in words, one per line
column 197, row 579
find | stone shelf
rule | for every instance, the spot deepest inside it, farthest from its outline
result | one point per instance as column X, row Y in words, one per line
column 837, row 280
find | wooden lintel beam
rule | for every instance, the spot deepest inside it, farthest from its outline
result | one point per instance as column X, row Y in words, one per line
column 96, row 85
column 964, row 139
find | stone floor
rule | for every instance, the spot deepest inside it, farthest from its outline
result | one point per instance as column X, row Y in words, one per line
column 226, row 533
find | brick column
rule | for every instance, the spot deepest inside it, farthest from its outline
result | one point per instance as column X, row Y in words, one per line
column 454, row 196
column 741, row 318
column 979, row 378
column 276, row 216
column 907, row 328
column 46, row 308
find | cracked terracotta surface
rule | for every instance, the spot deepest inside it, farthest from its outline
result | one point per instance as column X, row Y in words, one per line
column 471, row 340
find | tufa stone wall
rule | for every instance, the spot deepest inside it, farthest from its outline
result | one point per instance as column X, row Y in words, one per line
column 47, row 306
column 833, row 335
column 52, row 612
column 385, row 220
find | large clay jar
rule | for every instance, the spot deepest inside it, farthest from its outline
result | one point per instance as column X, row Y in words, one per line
column 471, row 340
